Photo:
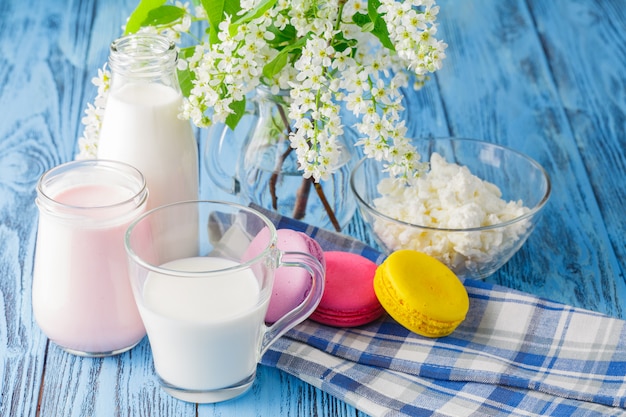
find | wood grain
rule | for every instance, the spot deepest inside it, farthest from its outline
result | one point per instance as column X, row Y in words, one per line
column 499, row 86
column 545, row 78
column 28, row 147
column 588, row 68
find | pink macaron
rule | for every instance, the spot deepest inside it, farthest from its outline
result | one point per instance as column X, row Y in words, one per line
column 349, row 299
column 291, row 285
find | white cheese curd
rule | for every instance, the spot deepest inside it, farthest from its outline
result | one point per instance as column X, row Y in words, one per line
column 449, row 196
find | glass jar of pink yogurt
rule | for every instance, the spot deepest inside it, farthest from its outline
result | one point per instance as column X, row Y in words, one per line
column 82, row 299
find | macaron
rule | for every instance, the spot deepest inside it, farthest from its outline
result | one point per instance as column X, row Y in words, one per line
column 421, row 293
column 349, row 299
column 291, row 284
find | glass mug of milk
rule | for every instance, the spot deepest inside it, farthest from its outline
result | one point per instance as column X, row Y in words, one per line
column 203, row 299
column 82, row 298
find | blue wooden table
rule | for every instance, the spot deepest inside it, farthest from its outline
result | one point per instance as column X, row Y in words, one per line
column 547, row 78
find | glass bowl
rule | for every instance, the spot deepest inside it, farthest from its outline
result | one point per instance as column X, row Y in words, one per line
column 447, row 217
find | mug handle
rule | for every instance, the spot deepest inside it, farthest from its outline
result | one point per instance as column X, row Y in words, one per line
column 307, row 306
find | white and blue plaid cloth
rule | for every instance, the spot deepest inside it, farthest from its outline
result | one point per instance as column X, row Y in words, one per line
column 515, row 354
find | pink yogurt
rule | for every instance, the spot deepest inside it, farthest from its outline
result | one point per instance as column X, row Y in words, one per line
column 82, row 298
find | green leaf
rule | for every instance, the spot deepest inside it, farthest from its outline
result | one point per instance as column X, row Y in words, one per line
column 380, row 29
column 275, row 65
column 382, row 33
column 368, row 27
column 216, row 11
column 375, row 25
column 232, row 7
column 239, row 108
column 186, row 52
column 163, row 15
column 340, row 42
column 361, row 19
column 372, row 9
column 282, row 37
column 258, row 11
column 185, row 80
column 139, row 15
column 250, row 15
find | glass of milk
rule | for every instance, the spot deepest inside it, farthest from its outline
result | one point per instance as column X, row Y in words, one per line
column 202, row 301
column 82, row 299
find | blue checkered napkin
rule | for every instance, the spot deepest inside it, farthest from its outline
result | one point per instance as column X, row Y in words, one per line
column 514, row 354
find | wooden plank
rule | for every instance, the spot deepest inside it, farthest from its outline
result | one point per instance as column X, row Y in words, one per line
column 27, row 149
column 585, row 48
column 498, row 86
column 120, row 385
column 277, row 393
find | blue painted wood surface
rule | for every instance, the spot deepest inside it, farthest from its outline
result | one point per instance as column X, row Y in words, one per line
column 547, row 78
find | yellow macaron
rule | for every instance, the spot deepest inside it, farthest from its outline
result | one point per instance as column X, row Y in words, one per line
column 421, row 293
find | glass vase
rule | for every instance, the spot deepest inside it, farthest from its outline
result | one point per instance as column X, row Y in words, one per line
column 265, row 168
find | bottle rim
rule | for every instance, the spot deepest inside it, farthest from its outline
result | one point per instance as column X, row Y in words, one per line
column 142, row 54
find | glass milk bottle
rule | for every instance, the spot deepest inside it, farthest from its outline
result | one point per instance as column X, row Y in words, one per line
column 141, row 125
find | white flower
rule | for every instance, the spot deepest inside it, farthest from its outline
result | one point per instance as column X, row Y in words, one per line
column 315, row 49
column 88, row 142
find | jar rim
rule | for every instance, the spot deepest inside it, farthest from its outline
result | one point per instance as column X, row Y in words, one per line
column 47, row 200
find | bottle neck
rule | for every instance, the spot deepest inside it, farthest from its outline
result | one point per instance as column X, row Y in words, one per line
column 143, row 58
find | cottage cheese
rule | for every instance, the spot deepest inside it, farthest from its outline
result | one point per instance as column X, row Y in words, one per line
column 449, row 196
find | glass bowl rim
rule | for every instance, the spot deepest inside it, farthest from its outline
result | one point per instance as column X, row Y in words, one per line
column 532, row 211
